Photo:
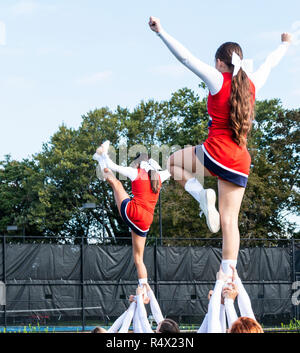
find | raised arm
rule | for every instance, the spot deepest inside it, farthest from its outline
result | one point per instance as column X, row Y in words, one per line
column 204, row 326
column 260, row 76
column 210, row 75
column 105, row 162
column 128, row 318
column 244, row 301
column 129, row 172
column 117, row 324
column 213, row 314
column 230, row 294
column 214, row 306
column 142, row 312
column 223, row 318
column 155, row 308
column 164, row 175
column 137, row 327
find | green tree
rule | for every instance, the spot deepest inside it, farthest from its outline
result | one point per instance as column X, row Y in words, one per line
column 47, row 192
column 19, row 186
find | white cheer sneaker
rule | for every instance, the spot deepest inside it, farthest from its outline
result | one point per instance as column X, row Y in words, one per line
column 207, row 205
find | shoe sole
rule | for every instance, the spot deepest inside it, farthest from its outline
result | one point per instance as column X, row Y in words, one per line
column 212, row 217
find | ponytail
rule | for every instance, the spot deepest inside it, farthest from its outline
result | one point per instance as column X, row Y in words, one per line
column 154, row 180
column 241, row 100
column 241, row 108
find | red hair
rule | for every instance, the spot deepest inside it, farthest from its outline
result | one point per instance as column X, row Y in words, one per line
column 246, row 325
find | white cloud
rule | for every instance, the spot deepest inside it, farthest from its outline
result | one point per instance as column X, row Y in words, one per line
column 295, row 61
column 270, row 36
column 275, row 35
column 2, row 33
column 296, row 25
column 24, row 7
column 29, row 7
column 296, row 92
column 94, row 78
column 18, row 82
column 169, row 70
column 296, row 32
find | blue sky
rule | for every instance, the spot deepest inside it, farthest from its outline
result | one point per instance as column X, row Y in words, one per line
column 63, row 58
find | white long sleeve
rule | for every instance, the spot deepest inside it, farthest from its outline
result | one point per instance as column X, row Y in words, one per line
column 164, row 175
column 143, row 315
column 223, row 318
column 244, row 301
column 260, row 76
column 137, row 327
column 128, row 318
column 204, row 326
column 214, row 325
column 155, row 309
column 210, row 75
column 117, row 324
column 129, row 172
column 230, row 311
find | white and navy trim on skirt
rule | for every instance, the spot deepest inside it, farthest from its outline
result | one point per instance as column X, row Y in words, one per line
column 219, row 169
column 130, row 224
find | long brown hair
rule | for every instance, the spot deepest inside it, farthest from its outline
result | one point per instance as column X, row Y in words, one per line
column 153, row 175
column 246, row 325
column 241, row 100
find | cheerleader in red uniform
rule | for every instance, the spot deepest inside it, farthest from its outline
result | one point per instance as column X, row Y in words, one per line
column 137, row 212
column 232, row 87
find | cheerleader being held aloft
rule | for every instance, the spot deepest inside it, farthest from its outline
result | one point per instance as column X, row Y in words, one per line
column 232, row 87
column 137, row 212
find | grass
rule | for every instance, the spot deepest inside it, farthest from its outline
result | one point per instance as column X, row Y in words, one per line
column 292, row 326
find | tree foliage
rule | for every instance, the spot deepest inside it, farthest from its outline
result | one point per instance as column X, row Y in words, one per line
column 45, row 194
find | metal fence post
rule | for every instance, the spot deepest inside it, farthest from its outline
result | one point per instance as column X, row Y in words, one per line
column 294, row 275
column 4, row 276
column 82, row 283
column 160, row 219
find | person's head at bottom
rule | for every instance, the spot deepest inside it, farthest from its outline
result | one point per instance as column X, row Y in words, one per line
column 98, row 329
column 168, row 326
column 246, row 325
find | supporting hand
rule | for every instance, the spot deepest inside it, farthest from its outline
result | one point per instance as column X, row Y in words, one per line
column 230, row 292
column 221, row 276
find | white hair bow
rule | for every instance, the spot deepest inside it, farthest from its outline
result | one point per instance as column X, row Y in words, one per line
column 238, row 63
column 151, row 164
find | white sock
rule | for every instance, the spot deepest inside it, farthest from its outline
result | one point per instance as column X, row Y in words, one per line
column 110, row 164
column 142, row 281
column 100, row 160
column 226, row 266
column 102, row 163
column 193, row 187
